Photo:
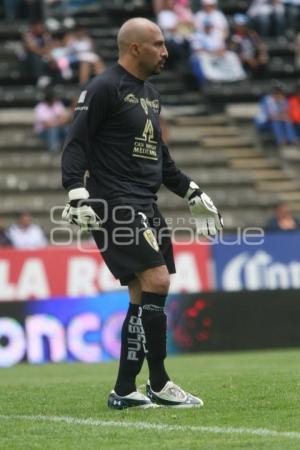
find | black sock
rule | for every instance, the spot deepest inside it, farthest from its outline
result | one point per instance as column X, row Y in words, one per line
column 155, row 326
column 132, row 351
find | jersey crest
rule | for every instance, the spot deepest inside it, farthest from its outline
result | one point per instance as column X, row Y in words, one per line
column 150, row 238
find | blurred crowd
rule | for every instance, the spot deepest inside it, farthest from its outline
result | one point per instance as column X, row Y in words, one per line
column 222, row 49
column 60, row 54
column 199, row 37
column 279, row 114
column 23, row 233
column 218, row 48
column 57, row 52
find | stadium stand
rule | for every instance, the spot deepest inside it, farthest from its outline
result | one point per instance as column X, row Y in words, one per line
column 212, row 136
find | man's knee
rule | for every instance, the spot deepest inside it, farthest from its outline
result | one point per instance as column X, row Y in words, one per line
column 155, row 280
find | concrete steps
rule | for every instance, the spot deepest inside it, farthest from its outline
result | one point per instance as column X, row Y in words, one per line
column 240, row 152
column 254, row 163
column 276, row 174
column 278, row 186
column 16, row 161
column 192, row 121
column 232, row 141
column 200, row 131
column 290, row 196
column 279, row 172
column 37, row 203
column 30, row 180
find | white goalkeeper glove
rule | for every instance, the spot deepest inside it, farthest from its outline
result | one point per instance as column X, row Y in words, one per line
column 208, row 220
column 78, row 212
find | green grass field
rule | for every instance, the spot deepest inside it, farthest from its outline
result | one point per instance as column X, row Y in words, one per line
column 252, row 401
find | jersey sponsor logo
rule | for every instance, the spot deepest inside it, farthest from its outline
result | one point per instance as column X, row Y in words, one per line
column 150, row 238
column 131, row 98
column 148, row 132
column 136, row 342
column 82, row 97
column 145, row 146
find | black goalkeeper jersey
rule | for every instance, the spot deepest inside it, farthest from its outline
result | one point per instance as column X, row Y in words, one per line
column 116, row 136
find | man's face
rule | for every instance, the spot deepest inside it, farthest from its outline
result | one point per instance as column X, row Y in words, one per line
column 25, row 220
column 282, row 211
column 169, row 4
column 208, row 8
column 153, row 53
column 279, row 95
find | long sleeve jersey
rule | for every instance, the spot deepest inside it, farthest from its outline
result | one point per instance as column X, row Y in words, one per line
column 116, row 136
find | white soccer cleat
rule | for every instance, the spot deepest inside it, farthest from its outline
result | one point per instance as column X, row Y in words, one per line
column 133, row 400
column 173, row 396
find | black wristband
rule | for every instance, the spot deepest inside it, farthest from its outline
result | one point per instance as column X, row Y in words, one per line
column 79, row 202
column 195, row 193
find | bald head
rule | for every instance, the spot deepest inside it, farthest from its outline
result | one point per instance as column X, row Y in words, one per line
column 142, row 50
column 136, row 30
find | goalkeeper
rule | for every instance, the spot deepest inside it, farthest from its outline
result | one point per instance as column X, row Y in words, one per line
column 115, row 137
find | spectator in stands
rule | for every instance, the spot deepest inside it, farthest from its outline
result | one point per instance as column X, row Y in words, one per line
column 182, row 9
column 283, row 219
column 185, row 16
column 176, row 33
column 81, row 51
column 50, row 121
column 211, row 60
column 268, row 17
column 209, row 12
column 176, row 38
column 37, row 44
column 25, row 234
column 4, row 238
column 248, row 46
column 59, row 56
column 294, row 109
column 274, row 116
column 157, row 6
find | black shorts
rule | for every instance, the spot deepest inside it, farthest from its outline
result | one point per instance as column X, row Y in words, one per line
column 130, row 242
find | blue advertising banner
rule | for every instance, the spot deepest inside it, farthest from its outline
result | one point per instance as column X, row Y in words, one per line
column 56, row 330
column 271, row 263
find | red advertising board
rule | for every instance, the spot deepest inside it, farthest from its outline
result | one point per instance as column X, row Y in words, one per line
column 64, row 272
